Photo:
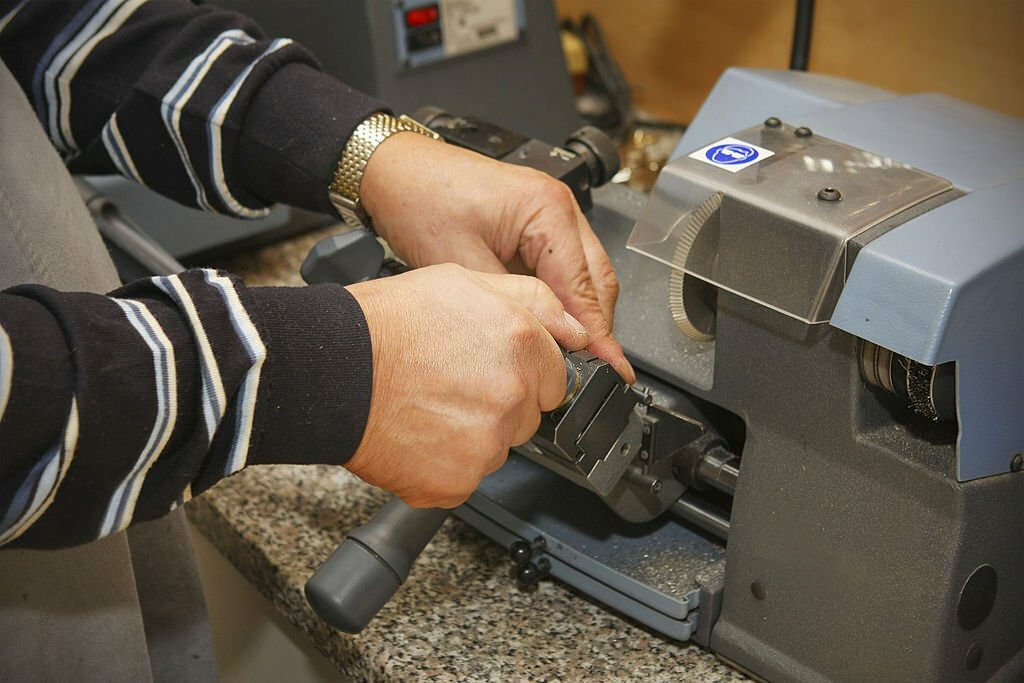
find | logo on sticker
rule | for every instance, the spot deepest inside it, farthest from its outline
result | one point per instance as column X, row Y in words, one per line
column 731, row 154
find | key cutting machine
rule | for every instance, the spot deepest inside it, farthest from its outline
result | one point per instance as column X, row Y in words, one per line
column 819, row 472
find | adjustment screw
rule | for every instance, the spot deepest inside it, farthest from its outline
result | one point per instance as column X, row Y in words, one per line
column 644, row 455
column 829, row 194
column 803, row 132
column 656, row 486
column 772, row 122
column 1017, row 464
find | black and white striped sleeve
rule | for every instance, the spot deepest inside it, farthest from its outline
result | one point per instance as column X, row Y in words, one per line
column 189, row 100
column 116, row 409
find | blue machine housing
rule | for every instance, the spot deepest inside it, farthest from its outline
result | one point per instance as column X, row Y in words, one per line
column 864, row 542
column 945, row 286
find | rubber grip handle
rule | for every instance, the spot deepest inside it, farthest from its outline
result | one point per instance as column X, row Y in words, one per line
column 369, row 566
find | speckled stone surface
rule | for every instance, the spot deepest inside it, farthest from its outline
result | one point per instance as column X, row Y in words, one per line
column 459, row 617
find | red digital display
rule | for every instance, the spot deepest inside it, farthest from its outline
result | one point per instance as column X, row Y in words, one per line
column 421, row 16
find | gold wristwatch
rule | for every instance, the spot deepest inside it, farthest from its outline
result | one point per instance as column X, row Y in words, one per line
column 344, row 190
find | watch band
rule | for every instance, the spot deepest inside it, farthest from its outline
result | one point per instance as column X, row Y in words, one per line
column 344, row 189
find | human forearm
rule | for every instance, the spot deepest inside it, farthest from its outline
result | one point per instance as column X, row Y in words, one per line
column 117, row 409
column 191, row 101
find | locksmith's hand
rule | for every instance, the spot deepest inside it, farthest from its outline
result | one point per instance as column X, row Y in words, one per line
column 463, row 365
column 437, row 203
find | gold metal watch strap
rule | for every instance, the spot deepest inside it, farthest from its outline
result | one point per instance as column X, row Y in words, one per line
column 344, row 189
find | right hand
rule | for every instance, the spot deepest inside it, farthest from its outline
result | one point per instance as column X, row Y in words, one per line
column 437, row 203
column 463, row 365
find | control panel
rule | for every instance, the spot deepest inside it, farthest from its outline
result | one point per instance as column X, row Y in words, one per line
column 429, row 31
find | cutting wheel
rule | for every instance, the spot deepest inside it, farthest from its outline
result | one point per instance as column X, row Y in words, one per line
column 681, row 285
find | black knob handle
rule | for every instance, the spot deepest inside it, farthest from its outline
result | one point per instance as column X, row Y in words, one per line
column 528, row 575
column 598, row 152
column 347, row 258
column 520, row 553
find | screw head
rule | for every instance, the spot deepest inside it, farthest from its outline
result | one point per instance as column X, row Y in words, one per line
column 829, row 194
column 803, row 132
column 1017, row 464
column 656, row 486
column 772, row 122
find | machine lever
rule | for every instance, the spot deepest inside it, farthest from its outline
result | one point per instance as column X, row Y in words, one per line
column 368, row 567
column 365, row 571
column 348, row 258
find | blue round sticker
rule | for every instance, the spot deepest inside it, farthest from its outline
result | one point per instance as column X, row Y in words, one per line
column 731, row 154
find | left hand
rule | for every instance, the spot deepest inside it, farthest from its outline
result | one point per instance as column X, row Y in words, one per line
column 437, row 203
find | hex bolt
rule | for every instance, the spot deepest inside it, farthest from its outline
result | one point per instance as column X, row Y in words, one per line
column 803, row 132
column 638, row 477
column 829, row 194
column 772, row 122
column 1017, row 464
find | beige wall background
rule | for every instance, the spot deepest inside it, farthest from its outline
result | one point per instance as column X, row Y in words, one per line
column 672, row 51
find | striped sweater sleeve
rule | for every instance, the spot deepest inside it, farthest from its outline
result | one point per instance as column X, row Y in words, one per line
column 116, row 409
column 189, row 100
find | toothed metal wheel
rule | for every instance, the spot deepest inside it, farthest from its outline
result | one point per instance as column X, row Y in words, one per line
column 691, row 300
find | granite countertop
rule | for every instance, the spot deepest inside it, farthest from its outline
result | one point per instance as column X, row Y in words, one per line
column 459, row 616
